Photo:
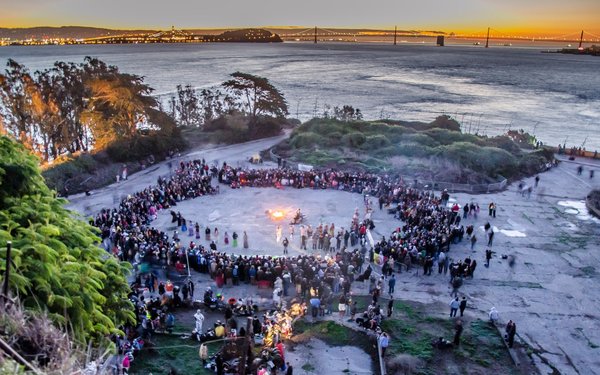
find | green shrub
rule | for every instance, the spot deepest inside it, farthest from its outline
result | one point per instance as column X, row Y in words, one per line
column 420, row 139
column 156, row 144
column 446, row 137
column 414, row 150
column 489, row 160
column 505, row 143
column 532, row 163
column 494, row 161
column 266, row 127
column 377, row 141
column 445, row 122
column 354, row 139
column 334, row 139
column 305, row 140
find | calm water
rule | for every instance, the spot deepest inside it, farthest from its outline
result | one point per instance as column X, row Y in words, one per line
column 490, row 90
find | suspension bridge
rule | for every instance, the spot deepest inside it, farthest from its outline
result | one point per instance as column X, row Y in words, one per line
column 318, row 34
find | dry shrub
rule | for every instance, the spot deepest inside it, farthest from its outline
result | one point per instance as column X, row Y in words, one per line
column 403, row 364
column 37, row 340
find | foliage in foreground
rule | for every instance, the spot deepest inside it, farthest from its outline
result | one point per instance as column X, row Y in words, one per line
column 33, row 336
column 57, row 267
column 439, row 148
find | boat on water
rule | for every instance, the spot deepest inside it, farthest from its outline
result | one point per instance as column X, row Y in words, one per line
column 507, row 44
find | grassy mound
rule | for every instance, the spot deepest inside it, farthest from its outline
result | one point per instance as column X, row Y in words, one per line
column 435, row 151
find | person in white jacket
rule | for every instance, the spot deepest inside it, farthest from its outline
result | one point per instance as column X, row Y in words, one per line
column 494, row 315
column 199, row 322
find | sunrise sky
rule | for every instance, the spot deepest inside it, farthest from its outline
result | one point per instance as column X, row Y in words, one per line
column 523, row 17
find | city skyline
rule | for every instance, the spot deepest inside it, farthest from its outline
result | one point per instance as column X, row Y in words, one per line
column 510, row 17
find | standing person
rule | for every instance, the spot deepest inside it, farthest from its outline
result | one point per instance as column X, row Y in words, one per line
column 126, row 364
column 390, row 307
column 207, row 234
column 591, row 173
column 234, row 236
column 441, row 261
column 458, row 329
column 491, row 238
column 537, row 181
column 463, row 306
column 197, row 227
column 245, row 240
column 290, row 369
column 473, row 241
column 219, row 364
column 391, row 284
column 302, row 237
column 203, row 354
column 353, row 310
column 384, row 342
column 342, row 305
column 285, row 245
column 226, row 238
column 493, row 316
column 454, row 305
column 278, row 233
column 216, row 233
column 199, row 317
column 488, row 256
column 511, row 331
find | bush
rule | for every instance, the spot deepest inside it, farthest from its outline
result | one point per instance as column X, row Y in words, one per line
column 447, row 137
column 494, row 161
column 489, row 160
column 445, row 122
column 333, row 140
column 305, row 140
column 157, row 144
column 532, row 163
column 374, row 142
column 420, row 139
column 414, row 150
column 266, row 127
column 354, row 139
column 505, row 143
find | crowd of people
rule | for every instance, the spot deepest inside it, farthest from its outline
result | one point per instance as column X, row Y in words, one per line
column 429, row 227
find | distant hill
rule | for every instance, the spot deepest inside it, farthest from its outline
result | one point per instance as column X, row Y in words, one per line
column 67, row 32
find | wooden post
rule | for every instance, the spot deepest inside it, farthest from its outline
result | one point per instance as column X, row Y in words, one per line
column 4, row 298
column 487, row 41
column 249, row 339
column 315, row 35
column 395, row 35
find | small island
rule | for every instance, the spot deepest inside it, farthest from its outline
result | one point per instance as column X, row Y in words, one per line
column 593, row 50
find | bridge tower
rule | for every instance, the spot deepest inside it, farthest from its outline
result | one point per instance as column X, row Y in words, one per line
column 395, row 34
column 315, row 35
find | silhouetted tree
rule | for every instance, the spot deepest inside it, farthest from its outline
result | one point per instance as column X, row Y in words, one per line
column 256, row 95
